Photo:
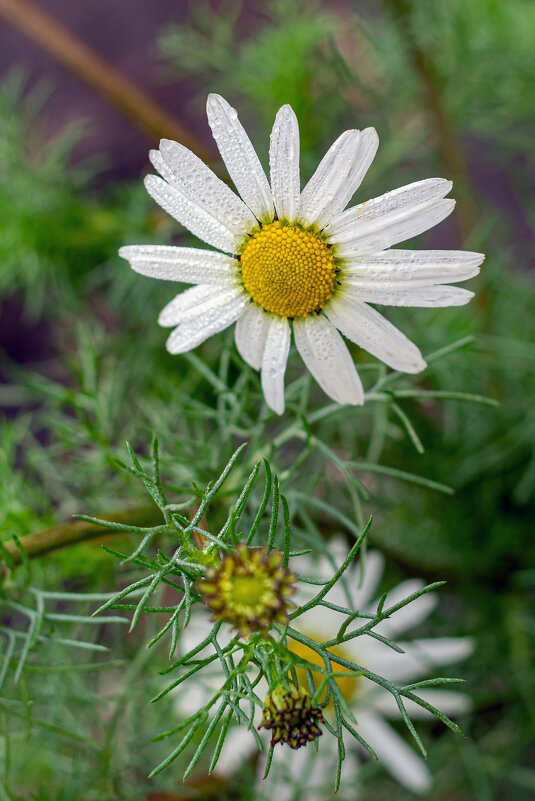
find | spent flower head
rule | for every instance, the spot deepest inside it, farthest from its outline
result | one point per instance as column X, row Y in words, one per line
column 291, row 259
column 291, row 716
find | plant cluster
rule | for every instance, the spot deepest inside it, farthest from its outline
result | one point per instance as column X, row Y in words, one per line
column 450, row 481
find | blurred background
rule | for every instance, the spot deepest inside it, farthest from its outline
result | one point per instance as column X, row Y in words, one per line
column 86, row 89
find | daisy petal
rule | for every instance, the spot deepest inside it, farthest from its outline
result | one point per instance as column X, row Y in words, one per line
column 391, row 218
column 306, row 769
column 338, row 176
column 386, row 233
column 190, row 265
column 240, row 158
column 239, row 745
column 325, row 354
column 402, row 762
column 194, row 302
column 414, row 267
column 439, row 650
column 419, row 657
column 224, row 311
column 199, row 628
column 453, row 704
column 192, row 176
column 321, row 622
column 352, row 590
column 450, row 702
column 188, row 702
column 274, row 361
column 361, row 588
column 399, row 295
column 368, row 144
column 284, row 164
column 251, row 331
column 365, row 586
column 409, row 616
column 370, row 330
column 159, row 163
column 397, row 201
column 209, row 227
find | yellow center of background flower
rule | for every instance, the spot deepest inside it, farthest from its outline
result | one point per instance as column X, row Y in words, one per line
column 287, row 270
column 346, row 684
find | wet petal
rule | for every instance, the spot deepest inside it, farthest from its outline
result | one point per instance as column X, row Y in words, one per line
column 406, row 295
column 224, row 311
column 370, row 330
column 251, row 331
column 274, row 362
column 208, row 226
column 325, row 354
column 413, row 267
column 284, row 164
column 240, row 158
column 190, row 265
column 191, row 175
column 393, row 217
column 338, row 176
column 195, row 302
column 394, row 753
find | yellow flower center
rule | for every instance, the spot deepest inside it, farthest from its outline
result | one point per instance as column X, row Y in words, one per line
column 346, row 684
column 250, row 589
column 287, row 270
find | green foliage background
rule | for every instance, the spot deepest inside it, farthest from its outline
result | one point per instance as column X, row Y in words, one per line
column 107, row 378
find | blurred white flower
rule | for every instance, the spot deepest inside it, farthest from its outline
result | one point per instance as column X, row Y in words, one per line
column 291, row 255
column 372, row 706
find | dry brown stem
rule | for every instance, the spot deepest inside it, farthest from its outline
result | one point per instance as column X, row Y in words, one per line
column 450, row 145
column 67, row 534
column 70, row 51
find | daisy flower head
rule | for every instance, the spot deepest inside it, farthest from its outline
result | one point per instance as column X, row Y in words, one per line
column 290, row 259
column 372, row 705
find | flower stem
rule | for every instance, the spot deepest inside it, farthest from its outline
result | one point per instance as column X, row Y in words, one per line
column 450, row 144
column 99, row 74
column 65, row 535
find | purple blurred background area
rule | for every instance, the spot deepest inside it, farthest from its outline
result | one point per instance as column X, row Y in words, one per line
column 124, row 33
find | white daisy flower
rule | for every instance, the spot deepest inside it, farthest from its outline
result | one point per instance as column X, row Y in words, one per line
column 291, row 256
column 371, row 705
